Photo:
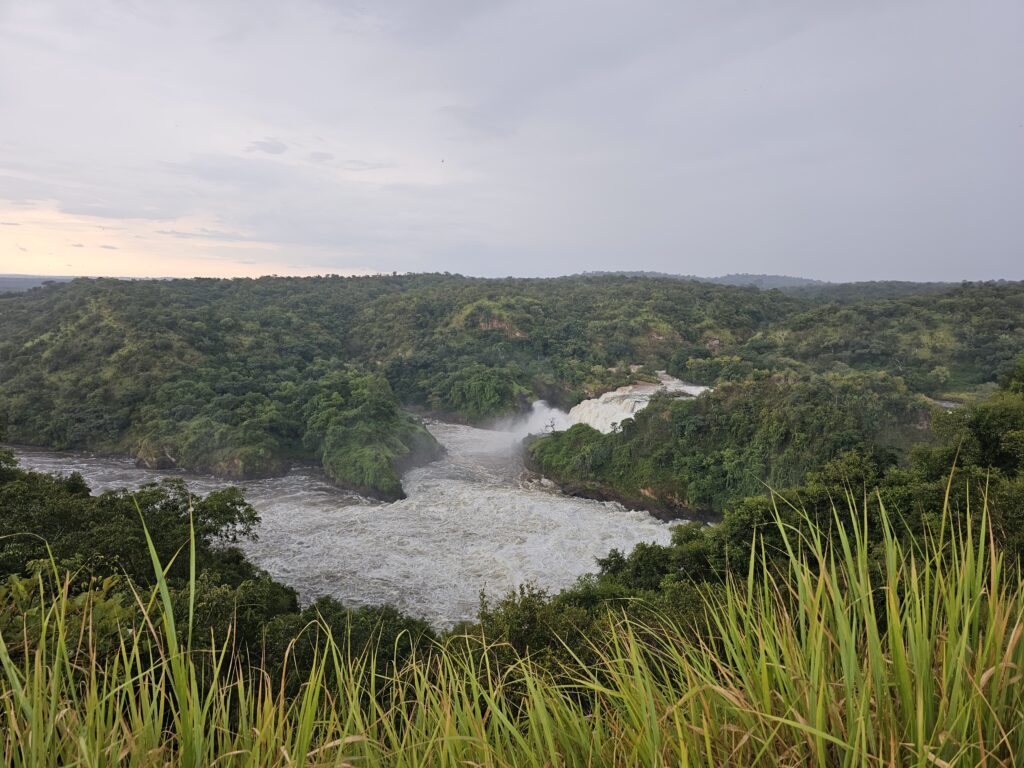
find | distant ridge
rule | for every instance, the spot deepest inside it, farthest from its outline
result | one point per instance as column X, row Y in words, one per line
column 19, row 283
column 804, row 287
column 742, row 279
column 764, row 282
column 799, row 287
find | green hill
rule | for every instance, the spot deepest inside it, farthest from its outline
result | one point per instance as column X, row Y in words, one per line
column 241, row 377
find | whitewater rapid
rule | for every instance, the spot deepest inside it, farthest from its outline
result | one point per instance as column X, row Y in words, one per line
column 475, row 520
column 604, row 413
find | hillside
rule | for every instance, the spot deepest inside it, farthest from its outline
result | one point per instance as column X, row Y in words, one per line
column 18, row 283
column 803, row 287
column 739, row 279
column 242, row 377
column 690, row 456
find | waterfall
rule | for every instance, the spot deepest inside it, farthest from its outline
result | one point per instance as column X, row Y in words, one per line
column 603, row 413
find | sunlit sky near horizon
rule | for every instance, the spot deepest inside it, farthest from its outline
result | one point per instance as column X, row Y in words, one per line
column 881, row 139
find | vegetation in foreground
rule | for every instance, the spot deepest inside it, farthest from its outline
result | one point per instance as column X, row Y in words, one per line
column 912, row 655
column 888, row 633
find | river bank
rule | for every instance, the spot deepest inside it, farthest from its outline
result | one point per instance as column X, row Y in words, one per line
column 665, row 509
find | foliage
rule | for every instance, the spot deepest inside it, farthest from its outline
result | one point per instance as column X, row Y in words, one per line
column 767, row 431
column 242, row 377
column 46, row 516
column 654, row 582
column 935, row 340
column 828, row 660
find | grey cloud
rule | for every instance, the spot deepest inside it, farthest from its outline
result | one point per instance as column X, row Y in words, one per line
column 124, row 209
column 203, row 234
column 78, row 245
column 270, row 146
column 107, row 192
column 223, row 169
column 368, row 165
column 10, row 223
column 479, row 121
column 109, row 247
column 860, row 140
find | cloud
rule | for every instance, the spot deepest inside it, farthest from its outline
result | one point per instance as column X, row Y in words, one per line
column 479, row 121
column 109, row 247
column 270, row 146
column 203, row 234
column 673, row 136
column 367, row 165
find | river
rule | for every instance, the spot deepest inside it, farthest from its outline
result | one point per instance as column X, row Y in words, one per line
column 475, row 520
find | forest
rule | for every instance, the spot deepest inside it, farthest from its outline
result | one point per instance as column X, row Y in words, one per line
column 241, row 378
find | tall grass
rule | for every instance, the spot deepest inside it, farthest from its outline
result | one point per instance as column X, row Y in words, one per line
column 852, row 654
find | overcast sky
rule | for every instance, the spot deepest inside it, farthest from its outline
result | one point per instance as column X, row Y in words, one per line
column 837, row 140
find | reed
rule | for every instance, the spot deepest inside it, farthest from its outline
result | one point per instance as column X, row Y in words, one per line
column 850, row 654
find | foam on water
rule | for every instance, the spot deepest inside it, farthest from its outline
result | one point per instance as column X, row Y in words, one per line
column 474, row 520
column 603, row 413
column 539, row 419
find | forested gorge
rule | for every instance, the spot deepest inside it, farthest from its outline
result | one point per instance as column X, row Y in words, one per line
column 242, row 377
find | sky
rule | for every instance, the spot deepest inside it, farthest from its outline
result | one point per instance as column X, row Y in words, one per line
column 834, row 140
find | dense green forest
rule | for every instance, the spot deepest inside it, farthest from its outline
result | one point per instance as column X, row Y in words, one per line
column 691, row 455
column 242, row 377
column 833, row 378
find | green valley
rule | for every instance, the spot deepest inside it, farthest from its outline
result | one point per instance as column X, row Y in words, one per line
column 241, row 378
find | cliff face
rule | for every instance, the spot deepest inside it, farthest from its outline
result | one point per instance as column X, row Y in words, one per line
column 241, row 463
